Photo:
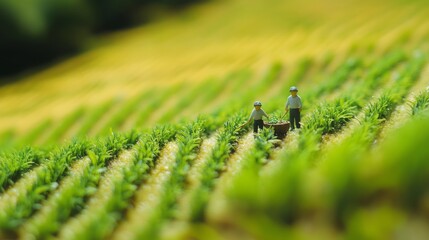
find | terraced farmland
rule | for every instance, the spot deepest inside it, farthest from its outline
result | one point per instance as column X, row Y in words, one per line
column 140, row 138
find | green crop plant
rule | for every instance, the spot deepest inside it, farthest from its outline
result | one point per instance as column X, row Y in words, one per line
column 277, row 196
column 374, row 76
column 380, row 109
column 116, row 142
column 71, row 199
column 14, row 213
column 53, row 170
column 100, row 220
column 227, row 138
column 188, row 139
column 407, row 76
column 420, row 103
column 13, row 165
column 387, row 173
column 331, row 117
column 276, row 117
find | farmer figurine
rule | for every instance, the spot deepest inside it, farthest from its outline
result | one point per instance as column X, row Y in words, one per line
column 256, row 115
column 294, row 106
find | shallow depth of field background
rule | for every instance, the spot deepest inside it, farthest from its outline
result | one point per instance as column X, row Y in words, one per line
column 204, row 43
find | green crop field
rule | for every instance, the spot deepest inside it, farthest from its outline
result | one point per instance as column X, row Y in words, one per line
column 139, row 137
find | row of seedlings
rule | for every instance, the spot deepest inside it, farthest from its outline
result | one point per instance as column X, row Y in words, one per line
column 348, row 154
column 287, row 200
column 248, row 170
column 169, row 186
column 340, row 164
column 108, row 206
column 420, row 103
column 326, row 118
column 198, row 196
column 22, row 200
column 14, row 164
column 71, row 196
column 25, row 197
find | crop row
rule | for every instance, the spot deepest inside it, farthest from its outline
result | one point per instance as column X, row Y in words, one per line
column 326, row 118
column 18, row 206
column 420, row 103
column 188, row 141
column 71, row 196
column 354, row 193
column 116, row 189
column 14, row 164
column 335, row 189
column 226, row 141
column 38, row 185
column 247, row 178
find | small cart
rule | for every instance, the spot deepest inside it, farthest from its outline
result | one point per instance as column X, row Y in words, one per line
column 280, row 129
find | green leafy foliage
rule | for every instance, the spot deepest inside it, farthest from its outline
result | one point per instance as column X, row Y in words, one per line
column 13, row 165
column 276, row 117
column 420, row 103
column 53, row 169
column 380, row 109
column 331, row 117
column 227, row 138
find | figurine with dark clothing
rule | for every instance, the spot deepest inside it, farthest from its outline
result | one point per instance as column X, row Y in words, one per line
column 257, row 115
column 294, row 106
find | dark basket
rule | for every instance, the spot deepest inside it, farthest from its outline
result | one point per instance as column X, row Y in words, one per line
column 280, row 129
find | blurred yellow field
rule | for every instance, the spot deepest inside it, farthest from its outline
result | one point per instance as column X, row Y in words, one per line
column 206, row 43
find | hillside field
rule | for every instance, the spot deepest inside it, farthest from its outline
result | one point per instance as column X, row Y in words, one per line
column 139, row 137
